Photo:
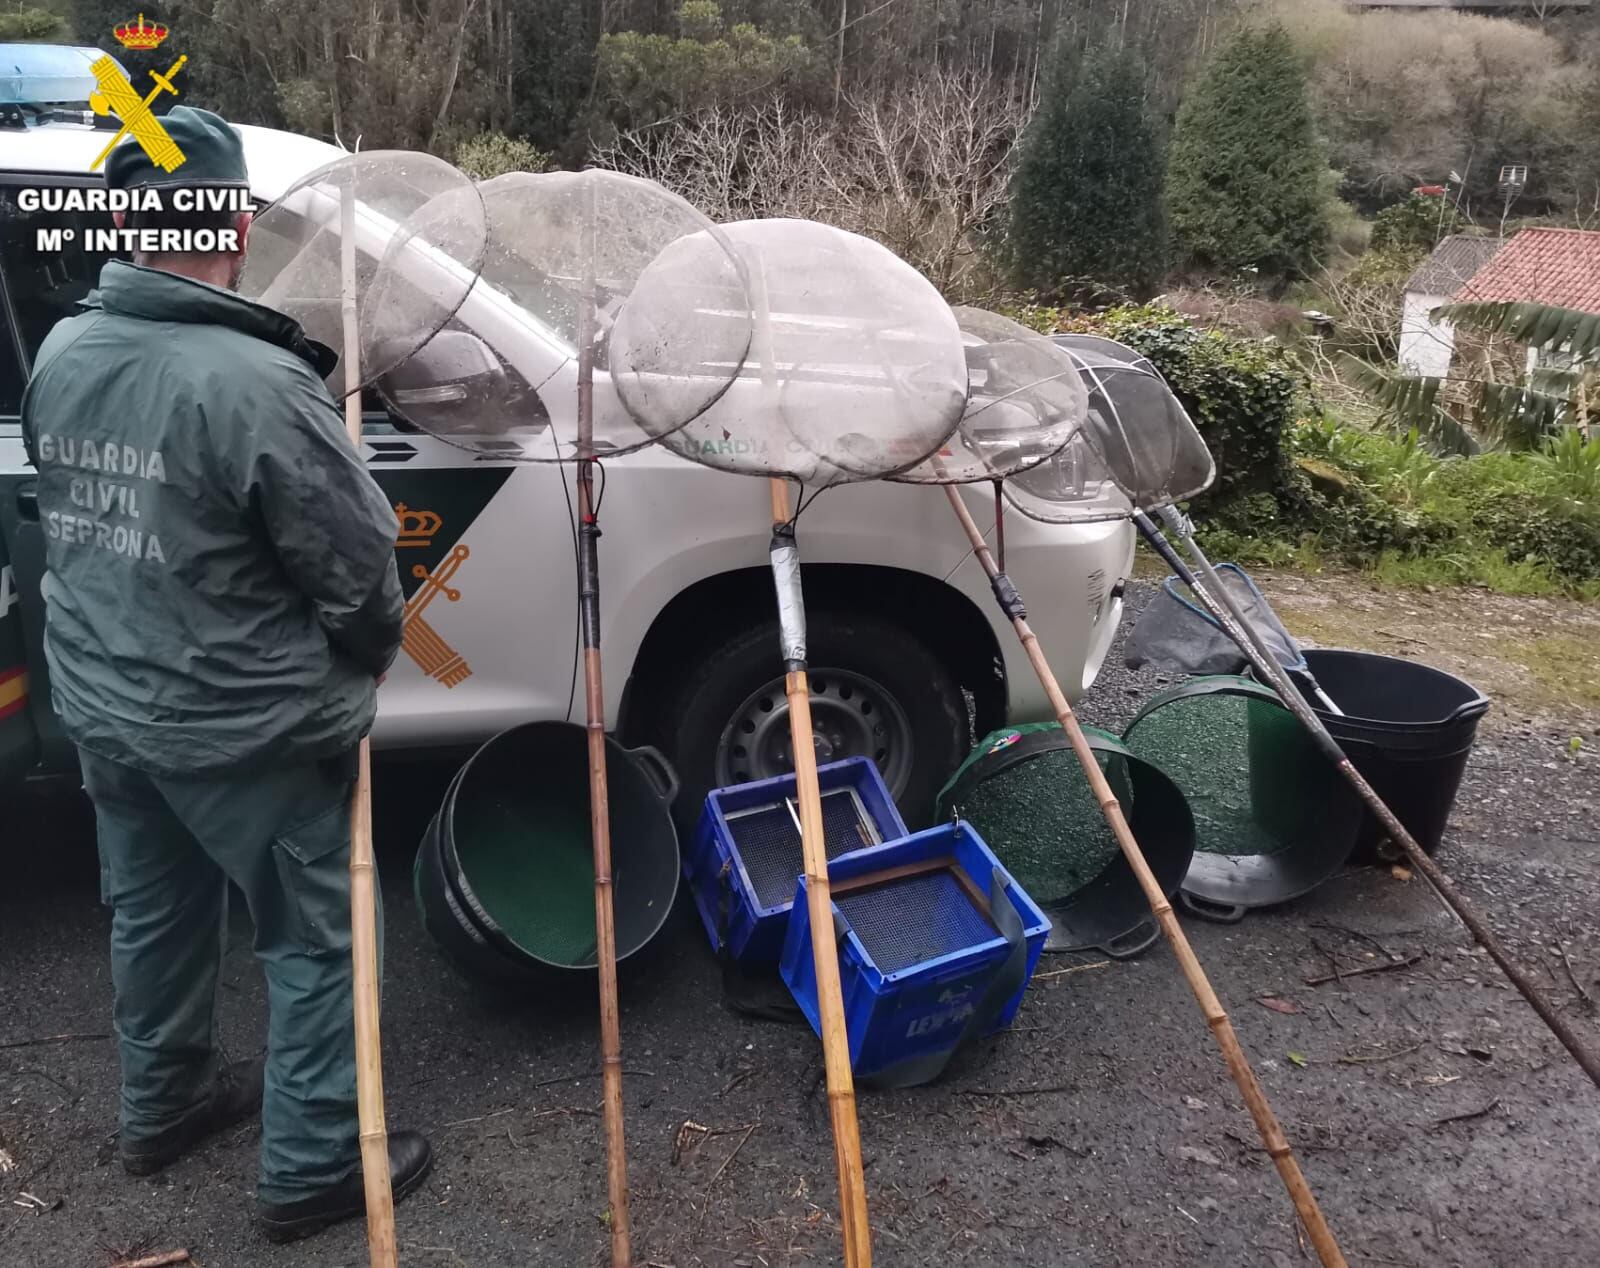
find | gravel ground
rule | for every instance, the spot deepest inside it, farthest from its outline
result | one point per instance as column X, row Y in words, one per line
column 1436, row 1119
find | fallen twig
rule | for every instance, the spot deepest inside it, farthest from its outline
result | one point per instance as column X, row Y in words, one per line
column 1333, row 960
column 1461, row 1118
column 1365, row 968
column 1358, row 935
column 748, row 1134
column 71, row 1037
column 1573, row 977
column 590, row 1074
column 478, row 1118
column 155, row 1261
column 1348, row 1059
column 1401, row 638
column 1020, row 1091
column 705, row 1200
column 1076, row 968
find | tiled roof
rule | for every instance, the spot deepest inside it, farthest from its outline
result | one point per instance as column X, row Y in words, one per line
column 1542, row 266
column 1452, row 263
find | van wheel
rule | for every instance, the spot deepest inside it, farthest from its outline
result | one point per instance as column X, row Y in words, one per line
column 876, row 691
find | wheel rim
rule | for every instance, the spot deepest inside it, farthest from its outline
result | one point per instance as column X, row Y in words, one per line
column 851, row 716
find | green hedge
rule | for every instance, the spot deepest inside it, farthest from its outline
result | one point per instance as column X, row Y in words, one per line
column 1241, row 393
column 1294, row 483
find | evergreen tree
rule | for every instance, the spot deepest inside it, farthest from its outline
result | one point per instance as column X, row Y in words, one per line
column 1246, row 175
column 1086, row 199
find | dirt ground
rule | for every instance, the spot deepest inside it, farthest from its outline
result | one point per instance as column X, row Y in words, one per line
column 1436, row 1119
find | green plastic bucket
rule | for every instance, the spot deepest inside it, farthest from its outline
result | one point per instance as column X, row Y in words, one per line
column 1273, row 817
column 1025, row 793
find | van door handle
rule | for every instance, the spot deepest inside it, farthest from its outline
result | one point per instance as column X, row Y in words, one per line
column 28, row 501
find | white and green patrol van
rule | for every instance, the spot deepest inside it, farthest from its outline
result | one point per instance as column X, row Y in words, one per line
column 909, row 651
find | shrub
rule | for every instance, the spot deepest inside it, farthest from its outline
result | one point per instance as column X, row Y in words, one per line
column 491, row 154
column 1086, row 198
column 1414, row 227
column 1296, row 484
column 1241, row 394
column 1246, row 175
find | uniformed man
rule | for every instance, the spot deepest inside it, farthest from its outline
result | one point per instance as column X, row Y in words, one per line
column 222, row 601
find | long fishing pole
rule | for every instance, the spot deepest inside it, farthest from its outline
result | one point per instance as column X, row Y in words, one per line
column 599, row 798
column 374, row 1131
column 1255, row 1099
column 819, row 901
column 1251, row 643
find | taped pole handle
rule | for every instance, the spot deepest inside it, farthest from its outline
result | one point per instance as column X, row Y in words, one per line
column 819, row 900
column 599, row 792
column 374, row 1131
column 1281, row 683
column 1255, row 1099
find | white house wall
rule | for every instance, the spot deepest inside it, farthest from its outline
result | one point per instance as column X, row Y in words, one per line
column 1425, row 346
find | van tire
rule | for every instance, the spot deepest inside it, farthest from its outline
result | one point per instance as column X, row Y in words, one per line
column 872, row 682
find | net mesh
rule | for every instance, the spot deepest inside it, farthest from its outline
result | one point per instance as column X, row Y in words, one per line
column 1174, row 632
column 410, row 275
column 1136, row 425
column 531, row 866
column 1025, row 401
column 905, row 922
column 1252, row 777
column 856, row 369
column 1042, row 820
column 1072, row 486
column 768, row 842
column 581, row 262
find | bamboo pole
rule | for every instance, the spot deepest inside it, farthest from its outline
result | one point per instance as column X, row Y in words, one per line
column 1221, row 1027
column 374, row 1132
column 1259, row 655
column 599, row 796
column 824, row 952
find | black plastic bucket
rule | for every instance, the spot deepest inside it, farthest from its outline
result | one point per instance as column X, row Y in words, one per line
column 1408, row 728
column 504, row 877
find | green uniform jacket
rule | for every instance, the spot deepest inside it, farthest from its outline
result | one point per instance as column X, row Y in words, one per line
column 221, row 586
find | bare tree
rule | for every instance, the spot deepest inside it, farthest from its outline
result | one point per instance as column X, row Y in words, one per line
column 922, row 170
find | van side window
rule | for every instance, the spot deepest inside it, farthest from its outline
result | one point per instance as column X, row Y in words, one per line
column 45, row 286
column 12, row 378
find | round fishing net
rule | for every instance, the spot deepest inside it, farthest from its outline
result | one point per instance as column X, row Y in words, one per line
column 857, row 368
column 588, row 335
column 1025, row 401
column 406, row 276
column 1145, row 438
column 1071, row 486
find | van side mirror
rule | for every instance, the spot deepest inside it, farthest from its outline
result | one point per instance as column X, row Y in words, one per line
column 456, row 384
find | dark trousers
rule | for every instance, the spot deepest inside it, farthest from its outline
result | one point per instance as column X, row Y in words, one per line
column 168, row 848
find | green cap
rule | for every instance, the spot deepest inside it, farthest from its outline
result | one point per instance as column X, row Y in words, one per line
column 212, row 154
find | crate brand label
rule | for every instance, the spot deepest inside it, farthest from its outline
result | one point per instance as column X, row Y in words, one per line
column 957, row 1008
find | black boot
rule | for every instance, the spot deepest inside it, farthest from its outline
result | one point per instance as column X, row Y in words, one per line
column 410, row 1159
column 235, row 1096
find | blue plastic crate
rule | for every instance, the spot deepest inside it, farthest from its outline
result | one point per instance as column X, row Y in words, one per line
column 745, row 856
column 922, row 952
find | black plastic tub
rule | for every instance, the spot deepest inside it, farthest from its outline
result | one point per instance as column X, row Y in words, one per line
column 1408, row 728
column 504, row 877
